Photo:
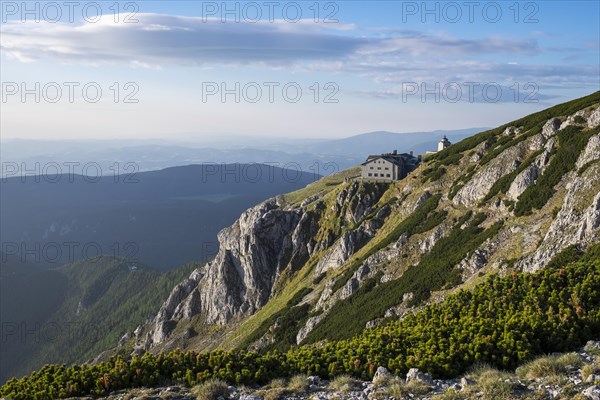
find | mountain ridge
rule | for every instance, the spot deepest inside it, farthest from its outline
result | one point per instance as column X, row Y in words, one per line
column 345, row 236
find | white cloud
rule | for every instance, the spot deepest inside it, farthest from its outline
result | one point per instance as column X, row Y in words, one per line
column 158, row 38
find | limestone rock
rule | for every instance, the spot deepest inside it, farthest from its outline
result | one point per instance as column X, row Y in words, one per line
column 592, row 378
column 373, row 323
column 414, row 374
column 473, row 263
column 164, row 320
column 571, row 119
column 592, row 393
column 421, row 200
column 594, row 119
column 479, row 151
column 348, row 244
column 570, row 226
column 381, row 374
column 591, row 152
column 308, row 327
column 528, row 176
column 433, row 238
column 551, row 127
column 592, row 346
column 481, row 183
column 252, row 253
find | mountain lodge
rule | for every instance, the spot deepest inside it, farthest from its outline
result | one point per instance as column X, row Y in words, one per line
column 389, row 166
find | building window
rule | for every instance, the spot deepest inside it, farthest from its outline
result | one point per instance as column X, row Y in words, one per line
column 388, row 175
column 375, row 174
column 370, row 167
column 386, row 168
column 378, row 167
column 370, row 174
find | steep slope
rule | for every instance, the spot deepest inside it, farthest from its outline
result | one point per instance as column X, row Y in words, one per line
column 329, row 260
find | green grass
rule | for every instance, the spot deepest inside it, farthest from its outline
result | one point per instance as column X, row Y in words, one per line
column 549, row 367
column 211, row 390
column 496, row 385
column 344, row 384
column 322, row 186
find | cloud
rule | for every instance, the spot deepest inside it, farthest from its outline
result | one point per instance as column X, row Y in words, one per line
column 158, row 38
column 417, row 43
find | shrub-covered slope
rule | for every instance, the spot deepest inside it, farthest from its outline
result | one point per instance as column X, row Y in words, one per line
column 503, row 321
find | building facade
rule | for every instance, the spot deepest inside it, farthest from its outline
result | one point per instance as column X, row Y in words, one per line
column 388, row 167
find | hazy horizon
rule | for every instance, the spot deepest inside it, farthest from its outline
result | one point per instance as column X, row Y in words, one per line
column 192, row 70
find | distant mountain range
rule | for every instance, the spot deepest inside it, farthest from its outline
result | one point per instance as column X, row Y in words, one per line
column 161, row 218
column 320, row 156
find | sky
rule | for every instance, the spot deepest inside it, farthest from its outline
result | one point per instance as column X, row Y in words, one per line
column 191, row 70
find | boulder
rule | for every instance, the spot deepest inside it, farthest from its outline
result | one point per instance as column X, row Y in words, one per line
column 313, row 380
column 382, row 374
column 592, row 346
column 594, row 119
column 592, row 393
column 551, row 127
column 592, row 378
column 415, row 375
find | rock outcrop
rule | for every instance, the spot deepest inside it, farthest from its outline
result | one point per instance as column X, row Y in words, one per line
column 591, row 152
column 594, row 119
column 172, row 308
column 481, row 183
column 571, row 225
column 529, row 175
column 351, row 241
column 551, row 127
column 265, row 241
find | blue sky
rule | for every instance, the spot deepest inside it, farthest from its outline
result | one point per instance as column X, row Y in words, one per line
column 191, row 69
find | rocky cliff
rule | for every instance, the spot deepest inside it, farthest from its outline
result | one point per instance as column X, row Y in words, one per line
column 340, row 237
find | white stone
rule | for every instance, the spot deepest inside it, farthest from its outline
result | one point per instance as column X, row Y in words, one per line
column 415, row 375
